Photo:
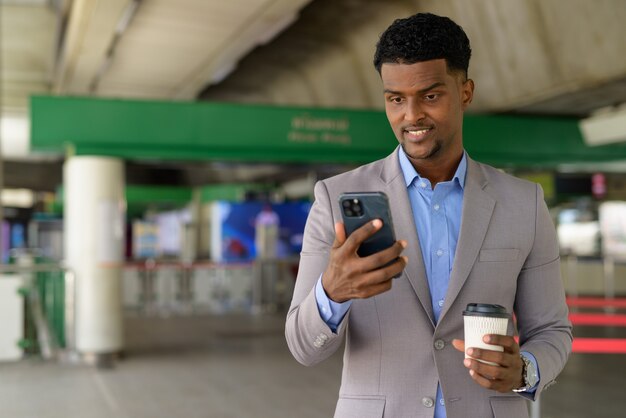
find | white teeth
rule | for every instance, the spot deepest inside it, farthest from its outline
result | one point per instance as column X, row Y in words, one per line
column 418, row 132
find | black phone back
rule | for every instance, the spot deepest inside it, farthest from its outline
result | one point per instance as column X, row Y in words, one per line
column 358, row 208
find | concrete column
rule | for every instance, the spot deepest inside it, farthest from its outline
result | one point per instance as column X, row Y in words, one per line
column 94, row 223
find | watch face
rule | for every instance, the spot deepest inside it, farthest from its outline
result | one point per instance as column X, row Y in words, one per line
column 531, row 373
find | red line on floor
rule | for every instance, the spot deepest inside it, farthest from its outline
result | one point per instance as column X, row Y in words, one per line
column 609, row 320
column 587, row 302
column 599, row 345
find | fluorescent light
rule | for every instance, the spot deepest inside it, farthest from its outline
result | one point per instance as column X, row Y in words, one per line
column 14, row 135
column 607, row 126
column 19, row 198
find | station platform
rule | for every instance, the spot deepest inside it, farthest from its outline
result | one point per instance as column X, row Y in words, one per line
column 236, row 366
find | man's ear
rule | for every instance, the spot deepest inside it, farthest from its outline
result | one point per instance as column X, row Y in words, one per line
column 467, row 93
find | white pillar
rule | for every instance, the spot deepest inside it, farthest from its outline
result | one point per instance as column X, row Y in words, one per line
column 94, row 223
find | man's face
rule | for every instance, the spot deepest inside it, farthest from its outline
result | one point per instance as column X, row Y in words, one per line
column 425, row 104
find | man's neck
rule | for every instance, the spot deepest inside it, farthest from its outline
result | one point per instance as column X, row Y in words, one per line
column 437, row 171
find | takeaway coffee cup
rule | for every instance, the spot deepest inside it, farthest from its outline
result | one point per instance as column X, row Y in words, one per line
column 481, row 319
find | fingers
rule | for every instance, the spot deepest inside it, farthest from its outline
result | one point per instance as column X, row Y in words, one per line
column 375, row 282
column 355, row 239
column 349, row 276
column 502, row 379
column 483, row 381
column 363, row 291
column 506, row 341
column 340, row 235
column 504, row 358
column 351, row 244
column 504, row 372
column 484, row 374
column 392, row 270
column 459, row 345
column 497, row 357
column 385, row 256
column 382, row 275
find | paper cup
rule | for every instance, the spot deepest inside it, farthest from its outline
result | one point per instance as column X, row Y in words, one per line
column 481, row 319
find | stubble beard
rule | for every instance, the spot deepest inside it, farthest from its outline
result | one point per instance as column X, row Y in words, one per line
column 432, row 152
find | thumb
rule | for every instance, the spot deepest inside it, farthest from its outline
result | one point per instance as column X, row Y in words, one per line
column 459, row 345
column 340, row 235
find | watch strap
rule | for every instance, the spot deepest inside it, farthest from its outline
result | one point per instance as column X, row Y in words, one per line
column 526, row 385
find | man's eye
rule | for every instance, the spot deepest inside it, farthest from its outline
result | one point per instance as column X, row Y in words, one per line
column 431, row 97
column 395, row 100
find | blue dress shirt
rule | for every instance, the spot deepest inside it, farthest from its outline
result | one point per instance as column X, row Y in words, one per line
column 437, row 215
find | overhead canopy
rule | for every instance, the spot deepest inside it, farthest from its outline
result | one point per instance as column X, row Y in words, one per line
column 252, row 133
column 207, row 131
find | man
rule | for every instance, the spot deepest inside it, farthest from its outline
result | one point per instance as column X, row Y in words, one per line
column 467, row 234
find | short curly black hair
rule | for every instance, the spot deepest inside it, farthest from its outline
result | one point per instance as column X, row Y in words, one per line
column 424, row 37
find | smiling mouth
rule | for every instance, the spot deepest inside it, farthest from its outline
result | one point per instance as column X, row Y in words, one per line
column 417, row 134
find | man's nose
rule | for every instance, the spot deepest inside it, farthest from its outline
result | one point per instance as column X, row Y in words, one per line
column 414, row 112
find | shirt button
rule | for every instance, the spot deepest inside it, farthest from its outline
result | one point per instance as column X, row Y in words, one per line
column 439, row 253
column 436, row 207
column 440, row 344
column 428, row 402
column 440, row 303
column 442, row 402
column 423, row 185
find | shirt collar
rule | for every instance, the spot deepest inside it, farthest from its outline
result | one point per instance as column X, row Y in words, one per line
column 409, row 173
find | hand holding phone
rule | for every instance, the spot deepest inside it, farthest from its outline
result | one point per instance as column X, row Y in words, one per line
column 365, row 256
column 359, row 208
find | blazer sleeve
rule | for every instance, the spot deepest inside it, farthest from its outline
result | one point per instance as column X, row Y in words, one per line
column 541, row 310
column 309, row 338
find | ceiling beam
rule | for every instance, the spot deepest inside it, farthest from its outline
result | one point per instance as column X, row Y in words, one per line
column 261, row 27
column 90, row 34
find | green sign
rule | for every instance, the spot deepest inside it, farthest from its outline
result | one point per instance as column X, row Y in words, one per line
column 207, row 131
column 235, row 132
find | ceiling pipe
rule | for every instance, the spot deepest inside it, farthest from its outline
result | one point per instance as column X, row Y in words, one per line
column 120, row 28
column 62, row 9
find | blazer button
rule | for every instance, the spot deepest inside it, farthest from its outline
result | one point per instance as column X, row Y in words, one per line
column 439, row 344
column 428, row 402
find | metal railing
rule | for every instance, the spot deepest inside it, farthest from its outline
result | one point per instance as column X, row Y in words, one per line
column 170, row 287
column 50, row 294
column 606, row 265
column 53, row 316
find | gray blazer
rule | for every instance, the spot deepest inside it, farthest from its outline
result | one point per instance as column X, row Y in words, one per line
column 394, row 355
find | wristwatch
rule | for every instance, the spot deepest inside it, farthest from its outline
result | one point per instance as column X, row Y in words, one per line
column 529, row 371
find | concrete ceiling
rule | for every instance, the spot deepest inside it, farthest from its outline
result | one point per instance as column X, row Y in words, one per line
column 534, row 56
column 531, row 56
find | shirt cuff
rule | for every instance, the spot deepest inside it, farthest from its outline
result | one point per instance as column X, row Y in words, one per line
column 532, row 358
column 330, row 311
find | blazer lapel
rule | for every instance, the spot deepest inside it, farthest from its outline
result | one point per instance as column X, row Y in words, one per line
column 404, row 224
column 478, row 207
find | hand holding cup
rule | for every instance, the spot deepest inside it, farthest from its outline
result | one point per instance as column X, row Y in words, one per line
column 491, row 356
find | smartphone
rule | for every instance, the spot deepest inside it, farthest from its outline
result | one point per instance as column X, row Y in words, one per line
column 358, row 208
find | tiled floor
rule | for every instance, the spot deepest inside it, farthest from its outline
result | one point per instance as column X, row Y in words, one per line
column 238, row 366
column 179, row 367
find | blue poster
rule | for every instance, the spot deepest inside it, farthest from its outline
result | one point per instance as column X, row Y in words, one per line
column 236, row 228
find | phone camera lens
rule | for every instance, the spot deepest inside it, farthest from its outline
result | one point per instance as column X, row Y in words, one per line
column 352, row 207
